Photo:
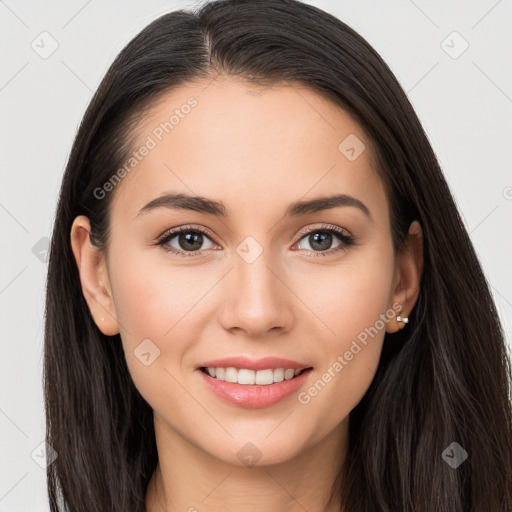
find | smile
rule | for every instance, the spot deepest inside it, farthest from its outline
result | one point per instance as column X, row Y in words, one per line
column 253, row 395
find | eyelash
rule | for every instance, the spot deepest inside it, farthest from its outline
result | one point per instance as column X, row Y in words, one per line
column 347, row 240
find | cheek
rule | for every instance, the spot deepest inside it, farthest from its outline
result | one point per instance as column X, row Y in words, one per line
column 154, row 303
column 349, row 298
column 352, row 305
column 151, row 298
column 161, row 303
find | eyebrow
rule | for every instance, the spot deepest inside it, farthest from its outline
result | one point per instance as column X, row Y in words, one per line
column 218, row 209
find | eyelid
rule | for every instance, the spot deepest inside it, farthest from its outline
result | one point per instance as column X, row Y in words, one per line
column 327, row 227
column 187, row 227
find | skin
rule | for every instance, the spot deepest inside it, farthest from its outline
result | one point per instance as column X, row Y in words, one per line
column 257, row 150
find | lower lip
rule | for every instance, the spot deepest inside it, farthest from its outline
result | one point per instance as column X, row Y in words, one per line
column 254, row 396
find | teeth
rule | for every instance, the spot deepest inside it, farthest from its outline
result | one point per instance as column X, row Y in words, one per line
column 231, row 375
column 246, row 377
column 250, row 377
column 289, row 374
column 279, row 375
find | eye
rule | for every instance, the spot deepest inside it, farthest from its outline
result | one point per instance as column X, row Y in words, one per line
column 320, row 240
column 189, row 240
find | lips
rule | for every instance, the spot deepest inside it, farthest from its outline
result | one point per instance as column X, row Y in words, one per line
column 254, row 395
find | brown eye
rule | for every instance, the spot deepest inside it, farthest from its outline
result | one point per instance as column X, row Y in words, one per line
column 320, row 241
column 185, row 241
column 189, row 240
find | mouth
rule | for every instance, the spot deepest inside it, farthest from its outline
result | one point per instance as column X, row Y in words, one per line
column 254, row 389
column 248, row 377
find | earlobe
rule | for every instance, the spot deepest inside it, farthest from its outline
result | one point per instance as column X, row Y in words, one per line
column 408, row 272
column 93, row 275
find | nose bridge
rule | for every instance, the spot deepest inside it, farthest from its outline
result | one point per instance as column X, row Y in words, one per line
column 258, row 300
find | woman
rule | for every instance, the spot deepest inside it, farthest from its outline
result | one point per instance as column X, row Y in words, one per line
column 260, row 294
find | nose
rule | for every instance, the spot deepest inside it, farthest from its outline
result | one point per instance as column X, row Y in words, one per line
column 258, row 299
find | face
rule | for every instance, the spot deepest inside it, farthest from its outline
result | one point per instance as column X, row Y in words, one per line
column 317, row 287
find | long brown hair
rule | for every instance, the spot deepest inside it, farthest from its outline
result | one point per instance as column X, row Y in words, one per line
column 445, row 378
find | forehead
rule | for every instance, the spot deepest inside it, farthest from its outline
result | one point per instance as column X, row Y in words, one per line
column 248, row 146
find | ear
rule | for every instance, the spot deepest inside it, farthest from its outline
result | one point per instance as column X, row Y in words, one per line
column 94, row 277
column 406, row 286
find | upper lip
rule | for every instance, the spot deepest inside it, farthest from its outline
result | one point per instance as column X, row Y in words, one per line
column 263, row 363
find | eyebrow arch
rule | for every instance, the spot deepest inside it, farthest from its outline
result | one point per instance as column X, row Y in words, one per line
column 217, row 208
column 326, row 203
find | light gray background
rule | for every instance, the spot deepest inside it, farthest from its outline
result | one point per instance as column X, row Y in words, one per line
column 464, row 104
